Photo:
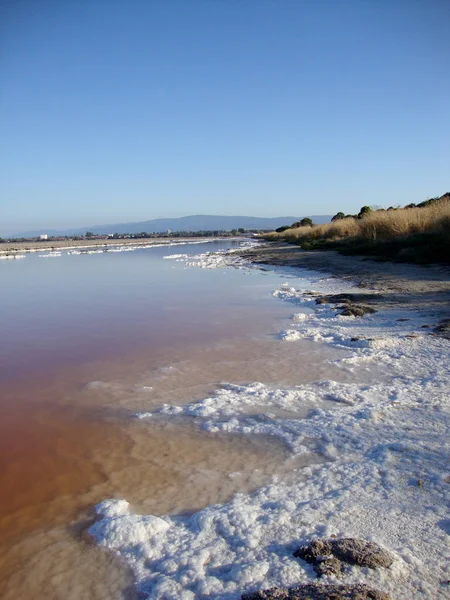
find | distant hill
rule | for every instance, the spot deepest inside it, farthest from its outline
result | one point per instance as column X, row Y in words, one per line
column 191, row 223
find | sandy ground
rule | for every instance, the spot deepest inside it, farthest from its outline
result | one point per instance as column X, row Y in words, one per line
column 13, row 247
column 413, row 286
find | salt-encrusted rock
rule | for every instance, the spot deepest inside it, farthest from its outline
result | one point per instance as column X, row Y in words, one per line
column 314, row 550
column 443, row 328
column 319, row 553
column 361, row 553
column 356, row 310
column 350, row 298
column 328, row 566
column 319, row 592
column 350, row 303
column 349, row 550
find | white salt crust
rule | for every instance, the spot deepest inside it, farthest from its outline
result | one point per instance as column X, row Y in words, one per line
column 218, row 259
column 387, row 478
column 78, row 250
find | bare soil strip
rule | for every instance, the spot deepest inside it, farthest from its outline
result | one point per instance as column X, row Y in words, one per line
column 412, row 286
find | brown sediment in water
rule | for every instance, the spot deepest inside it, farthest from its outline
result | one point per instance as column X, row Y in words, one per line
column 56, row 440
column 66, row 444
column 68, row 441
column 48, row 454
column 66, row 466
column 75, row 432
column 160, row 470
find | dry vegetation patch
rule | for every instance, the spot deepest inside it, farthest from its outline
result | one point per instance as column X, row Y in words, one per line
column 418, row 234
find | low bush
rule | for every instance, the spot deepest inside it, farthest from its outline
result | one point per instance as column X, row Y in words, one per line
column 418, row 234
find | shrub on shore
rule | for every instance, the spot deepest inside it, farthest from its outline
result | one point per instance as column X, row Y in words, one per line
column 414, row 233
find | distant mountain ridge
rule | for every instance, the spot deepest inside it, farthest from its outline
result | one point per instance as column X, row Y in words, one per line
column 190, row 223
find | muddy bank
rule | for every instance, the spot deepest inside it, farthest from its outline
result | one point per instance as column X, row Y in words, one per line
column 412, row 286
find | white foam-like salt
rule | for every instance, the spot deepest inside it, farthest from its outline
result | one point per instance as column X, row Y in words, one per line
column 144, row 415
column 113, row 508
column 219, row 258
column 290, row 335
column 11, row 256
column 299, row 317
column 387, row 479
column 176, row 256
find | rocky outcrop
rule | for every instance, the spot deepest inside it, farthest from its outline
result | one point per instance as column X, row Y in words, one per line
column 319, row 592
column 443, row 328
column 328, row 557
column 353, row 298
column 350, row 304
column 361, row 553
column 329, row 566
column 356, row 310
column 314, row 550
column 348, row 550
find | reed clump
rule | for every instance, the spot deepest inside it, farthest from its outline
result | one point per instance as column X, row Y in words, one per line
column 419, row 234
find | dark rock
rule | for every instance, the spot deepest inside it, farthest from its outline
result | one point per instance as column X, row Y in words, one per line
column 361, row 553
column 351, row 298
column 329, row 566
column 443, row 328
column 356, row 310
column 314, row 550
column 349, row 550
column 319, row 592
column 351, row 303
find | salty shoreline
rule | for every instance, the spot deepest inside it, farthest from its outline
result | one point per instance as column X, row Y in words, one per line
column 386, row 479
column 18, row 247
column 367, row 396
column 397, row 285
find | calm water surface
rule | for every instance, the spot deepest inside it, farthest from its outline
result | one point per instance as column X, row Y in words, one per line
column 67, row 310
column 86, row 341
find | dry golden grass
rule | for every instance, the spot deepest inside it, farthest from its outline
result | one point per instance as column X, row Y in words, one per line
column 381, row 225
column 377, row 226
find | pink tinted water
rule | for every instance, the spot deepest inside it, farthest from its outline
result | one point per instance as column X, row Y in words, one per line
column 87, row 340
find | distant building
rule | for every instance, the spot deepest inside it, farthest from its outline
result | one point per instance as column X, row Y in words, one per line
column 43, row 236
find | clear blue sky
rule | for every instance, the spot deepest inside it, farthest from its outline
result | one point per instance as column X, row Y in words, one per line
column 115, row 111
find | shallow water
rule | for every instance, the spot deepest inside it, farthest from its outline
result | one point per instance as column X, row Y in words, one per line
column 89, row 340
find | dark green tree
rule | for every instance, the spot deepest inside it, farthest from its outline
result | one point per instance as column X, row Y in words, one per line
column 365, row 210
column 338, row 216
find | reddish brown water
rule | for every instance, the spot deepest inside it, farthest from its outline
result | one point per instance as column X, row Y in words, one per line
column 76, row 364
